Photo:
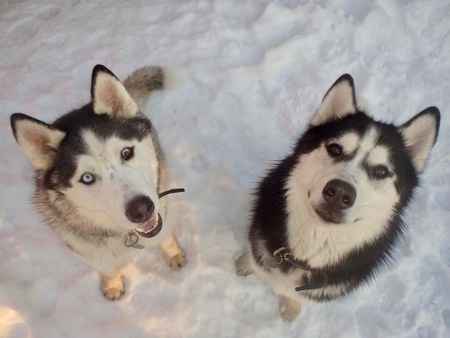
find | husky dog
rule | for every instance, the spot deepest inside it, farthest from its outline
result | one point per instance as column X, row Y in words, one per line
column 327, row 217
column 99, row 171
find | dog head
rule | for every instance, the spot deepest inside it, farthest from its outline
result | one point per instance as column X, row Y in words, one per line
column 355, row 169
column 103, row 158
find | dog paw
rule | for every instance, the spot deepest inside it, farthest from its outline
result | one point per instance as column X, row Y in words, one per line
column 113, row 287
column 177, row 261
column 242, row 266
column 289, row 309
column 173, row 253
column 113, row 293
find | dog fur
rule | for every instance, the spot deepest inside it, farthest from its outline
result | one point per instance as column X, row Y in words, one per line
column 336, row 202
column 98, row 172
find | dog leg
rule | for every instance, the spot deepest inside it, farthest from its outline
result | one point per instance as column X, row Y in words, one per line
column 174, row 254
column 289, row 309
column 112, row 285
column 242, row 265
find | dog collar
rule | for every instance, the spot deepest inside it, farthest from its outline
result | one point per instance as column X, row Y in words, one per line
column 282, row 255
column 132, row 238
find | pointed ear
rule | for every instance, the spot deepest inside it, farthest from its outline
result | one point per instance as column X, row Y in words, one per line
column 338, row 102
column 420, row 134
column 109, row 96
column 38, row 140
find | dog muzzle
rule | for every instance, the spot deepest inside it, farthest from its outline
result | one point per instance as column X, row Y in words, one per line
column 151, row 228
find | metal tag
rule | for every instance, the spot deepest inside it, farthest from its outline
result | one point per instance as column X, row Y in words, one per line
column 132, row 241
column 271, row 262
column 137, row 246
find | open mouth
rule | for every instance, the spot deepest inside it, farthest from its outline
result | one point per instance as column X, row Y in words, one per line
column 151, row 228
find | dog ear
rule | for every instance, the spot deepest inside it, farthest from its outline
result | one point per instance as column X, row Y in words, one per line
column 38, row 140
column 109, row 96
column 420, row 134
column 338, row 102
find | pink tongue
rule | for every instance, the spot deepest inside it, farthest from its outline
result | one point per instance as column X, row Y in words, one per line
column 150, row 224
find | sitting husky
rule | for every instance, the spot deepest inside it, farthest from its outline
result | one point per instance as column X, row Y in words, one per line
column 328, row 216
column 99, row 175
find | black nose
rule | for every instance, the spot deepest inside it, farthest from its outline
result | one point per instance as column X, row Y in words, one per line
column 339, row 194
column 139, row 209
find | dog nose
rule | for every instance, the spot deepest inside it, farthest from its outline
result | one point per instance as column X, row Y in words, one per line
column 339, row 194
column 139, row 209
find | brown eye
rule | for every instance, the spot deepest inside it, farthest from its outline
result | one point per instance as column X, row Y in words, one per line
column 127, row 153
column 334, row 149
column 381, row 171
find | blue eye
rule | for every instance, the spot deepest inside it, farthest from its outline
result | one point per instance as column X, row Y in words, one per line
column 87, row 178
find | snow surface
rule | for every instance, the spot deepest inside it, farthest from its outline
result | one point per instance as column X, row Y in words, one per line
column 249, row 75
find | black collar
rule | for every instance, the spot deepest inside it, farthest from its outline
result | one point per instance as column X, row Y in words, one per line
column 282, row 255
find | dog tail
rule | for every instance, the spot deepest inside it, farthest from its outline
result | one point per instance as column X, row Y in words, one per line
column 142, row 82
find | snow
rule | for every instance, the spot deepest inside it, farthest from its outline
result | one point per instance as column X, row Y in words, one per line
column 247, row 76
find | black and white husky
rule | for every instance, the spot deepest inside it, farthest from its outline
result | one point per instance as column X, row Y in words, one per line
column 99, row 175
column 328, row 216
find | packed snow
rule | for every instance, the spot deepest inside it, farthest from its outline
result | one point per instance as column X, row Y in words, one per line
column 246, row 77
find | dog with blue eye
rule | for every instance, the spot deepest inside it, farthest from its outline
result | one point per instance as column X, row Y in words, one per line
column 100, row 174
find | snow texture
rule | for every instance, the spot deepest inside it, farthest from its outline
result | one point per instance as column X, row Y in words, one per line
column 248, row 76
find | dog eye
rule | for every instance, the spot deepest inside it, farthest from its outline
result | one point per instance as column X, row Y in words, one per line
column 334, row 149
column 127, row 153
column 381, row 171
column 87, row 178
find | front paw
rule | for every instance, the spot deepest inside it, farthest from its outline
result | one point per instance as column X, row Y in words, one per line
column 289, row 309
column 173, row 252
column 114, row 293
column 113, row 288
column 177, row 261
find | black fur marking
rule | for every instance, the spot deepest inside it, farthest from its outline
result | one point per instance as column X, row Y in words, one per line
column 103, row 126
column 268, row 230
column 269, row 211
column 369, row 168
column 344, row 156
column 360, row 266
